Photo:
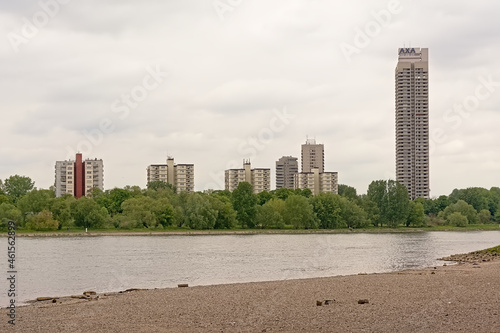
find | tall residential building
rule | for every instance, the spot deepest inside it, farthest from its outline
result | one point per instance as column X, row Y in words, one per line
column 259, row 178
column 79, row 177
column 179, row 175
column 313, row 176
column 312, row 156
column 412, row 121
column 286, row 168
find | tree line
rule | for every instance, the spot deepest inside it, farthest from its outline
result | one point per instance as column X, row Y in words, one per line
column 159, row 206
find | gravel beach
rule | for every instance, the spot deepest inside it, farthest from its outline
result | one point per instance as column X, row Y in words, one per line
column 463, row 297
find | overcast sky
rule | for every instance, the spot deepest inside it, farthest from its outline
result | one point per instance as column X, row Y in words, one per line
column 215, row 82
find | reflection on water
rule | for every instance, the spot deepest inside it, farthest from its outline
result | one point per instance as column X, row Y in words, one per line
column 65, row 266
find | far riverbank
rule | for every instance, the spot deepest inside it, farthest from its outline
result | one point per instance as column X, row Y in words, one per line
column 187, row 232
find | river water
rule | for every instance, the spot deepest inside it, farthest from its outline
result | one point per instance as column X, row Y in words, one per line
column 70, row 265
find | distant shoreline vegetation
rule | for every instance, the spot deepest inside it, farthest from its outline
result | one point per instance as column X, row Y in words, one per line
column 159, row 208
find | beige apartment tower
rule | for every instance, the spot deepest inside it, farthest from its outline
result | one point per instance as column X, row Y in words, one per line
column 312, row 156
column 179, row 175
column 317, row 182
column 412, row 121
column 259, row 178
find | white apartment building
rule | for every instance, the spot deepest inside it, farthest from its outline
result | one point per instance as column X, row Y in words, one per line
column 317, row 182
column 78, row 177
column 94, row 175
column 179, row 175
column 259, row 178
column 65, row 178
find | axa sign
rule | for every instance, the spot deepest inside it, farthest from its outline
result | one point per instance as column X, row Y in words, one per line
column 407, row 51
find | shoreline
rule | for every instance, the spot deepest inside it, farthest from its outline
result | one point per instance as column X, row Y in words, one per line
column 237, row 232
column 447, row 298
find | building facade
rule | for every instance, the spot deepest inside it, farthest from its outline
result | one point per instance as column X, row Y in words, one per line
column 312, row 156
column 412, row 121
column 317, row 182
column 78, row 177
column 179, row 175
column 259, row 178
column 286, row 169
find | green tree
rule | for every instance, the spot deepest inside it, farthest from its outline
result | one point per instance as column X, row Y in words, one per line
column 303, row 192
column 348, row 192
column 461, row 207
column 42, row 221
column 327, row 207
column 457, row 219
column 17, row 186
column 441, row 203
column 391, row 199
column 226, row 215
column 429, row 205
column 371, row 209
column 88, row 214
column 263, row 197
column 61, row 210
column 146, row 212
column 416, row 216
column 117, row 197
column 484, row 216
column 494, row 201
column 245, row 205
column 352, row 215
column 398, row 204
column 477, row 197
column 9, row 212
column 35, row 201
column 283, row 193
column 161, row 185
column 270, row 215
column 199, row 212
column 179, row 203
column 299, row 212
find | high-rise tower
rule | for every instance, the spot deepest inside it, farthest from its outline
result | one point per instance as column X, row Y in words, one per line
column 286, row 169
column 412, row 121
column 312, row 156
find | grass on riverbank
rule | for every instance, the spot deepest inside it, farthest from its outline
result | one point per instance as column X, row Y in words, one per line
column 286, row 230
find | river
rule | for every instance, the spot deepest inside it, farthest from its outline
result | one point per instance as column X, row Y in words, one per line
column 59, row 266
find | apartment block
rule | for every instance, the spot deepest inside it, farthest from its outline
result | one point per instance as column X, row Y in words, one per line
column 286, row 168
column 179, row 175
column 317, row 182
column 259, row 178
column 412, row 121
column 78, row 177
